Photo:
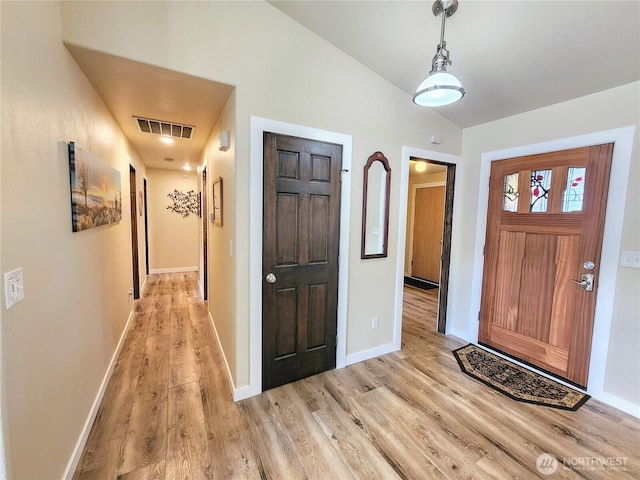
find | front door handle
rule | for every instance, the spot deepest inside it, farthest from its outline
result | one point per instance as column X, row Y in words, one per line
column 271, row 278
column 585, row 282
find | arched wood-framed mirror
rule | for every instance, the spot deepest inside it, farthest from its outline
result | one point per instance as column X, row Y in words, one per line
column 375, row 207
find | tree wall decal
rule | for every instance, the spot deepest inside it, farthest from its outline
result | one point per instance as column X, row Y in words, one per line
column 184, row 203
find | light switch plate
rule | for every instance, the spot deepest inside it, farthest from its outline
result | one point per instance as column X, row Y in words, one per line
column 13, row 288
column 629, row 258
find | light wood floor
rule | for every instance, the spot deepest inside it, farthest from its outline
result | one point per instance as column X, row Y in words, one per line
column 168, row 412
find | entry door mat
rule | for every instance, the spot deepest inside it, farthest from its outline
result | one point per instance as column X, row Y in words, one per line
column 515, row 381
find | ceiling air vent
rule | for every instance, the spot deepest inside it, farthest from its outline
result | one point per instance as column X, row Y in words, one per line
column 160, row 127
column 168, row 159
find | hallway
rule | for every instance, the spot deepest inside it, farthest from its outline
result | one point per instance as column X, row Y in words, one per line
column 167, row 412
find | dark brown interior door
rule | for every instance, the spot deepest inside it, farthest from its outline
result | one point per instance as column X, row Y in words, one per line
column 134, row 232
column 545, row 223
column 427, row 233
column 301, row 223
column 205, row 235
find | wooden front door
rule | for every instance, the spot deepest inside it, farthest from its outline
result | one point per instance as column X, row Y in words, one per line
column 427, row 233
column 545, row 223
column 301, row 231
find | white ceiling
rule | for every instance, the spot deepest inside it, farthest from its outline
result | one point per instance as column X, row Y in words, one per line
column 511, row 56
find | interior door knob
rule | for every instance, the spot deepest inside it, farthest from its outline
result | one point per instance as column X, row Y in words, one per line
column 271, row 278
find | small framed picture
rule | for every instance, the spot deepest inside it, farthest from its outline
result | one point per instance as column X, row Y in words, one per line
column 216, row 215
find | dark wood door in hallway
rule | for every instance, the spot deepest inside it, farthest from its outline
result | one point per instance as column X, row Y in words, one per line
column 168, row 412
column 300, row 246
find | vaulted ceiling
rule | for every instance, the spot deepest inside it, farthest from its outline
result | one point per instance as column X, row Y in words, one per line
column 511, row 56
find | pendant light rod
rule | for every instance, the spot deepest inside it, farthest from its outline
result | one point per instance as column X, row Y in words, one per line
column 444, row 17
column 443, row 9
column 440, row 87
column 441, row 58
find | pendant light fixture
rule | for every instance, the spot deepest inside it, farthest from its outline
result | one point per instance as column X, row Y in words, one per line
column 440, row 87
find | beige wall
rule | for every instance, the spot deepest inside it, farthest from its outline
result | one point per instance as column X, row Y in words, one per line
column 58, row 342
column 173, row 239
column 222, row 249
column 439, row 177
column 281, row 71
column 615, row 108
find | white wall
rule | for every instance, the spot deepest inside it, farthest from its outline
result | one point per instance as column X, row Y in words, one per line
column 58, row 342
column 284, row 72
column 611, row 109
column 173, row 239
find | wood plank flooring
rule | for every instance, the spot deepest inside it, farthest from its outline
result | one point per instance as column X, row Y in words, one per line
column 168, row 412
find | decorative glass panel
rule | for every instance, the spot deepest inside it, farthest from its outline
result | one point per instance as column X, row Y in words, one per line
column 540, row 186
column 573, row 194
column 510, row 203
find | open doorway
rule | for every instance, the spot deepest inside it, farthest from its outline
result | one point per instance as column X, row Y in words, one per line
column 428, row 239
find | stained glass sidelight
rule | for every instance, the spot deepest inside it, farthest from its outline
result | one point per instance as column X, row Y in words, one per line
column 574, row 193
column 540, row 186
column 510, row 202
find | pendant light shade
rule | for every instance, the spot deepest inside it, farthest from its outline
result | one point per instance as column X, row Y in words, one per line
column 440, row 87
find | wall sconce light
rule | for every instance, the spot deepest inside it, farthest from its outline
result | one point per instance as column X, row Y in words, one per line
column 225, row 140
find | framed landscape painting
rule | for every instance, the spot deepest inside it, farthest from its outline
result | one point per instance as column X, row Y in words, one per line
column 96, row 198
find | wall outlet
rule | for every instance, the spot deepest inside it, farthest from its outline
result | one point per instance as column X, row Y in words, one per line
column 375, row 323
column 629, row 258
column 13, row 288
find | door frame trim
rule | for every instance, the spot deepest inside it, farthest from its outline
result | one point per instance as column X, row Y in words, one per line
column 611, row 241
column 258, row 126
column 407, row 153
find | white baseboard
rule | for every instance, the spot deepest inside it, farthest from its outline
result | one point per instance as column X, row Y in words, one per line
column 224, row 357
column 247, row 391
column 153, row 271
column 75, row 458
column 239, row 393
column 617, row 402
column 371, row 353
column 462, row 335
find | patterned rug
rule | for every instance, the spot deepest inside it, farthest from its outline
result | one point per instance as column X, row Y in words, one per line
column 515, row 381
